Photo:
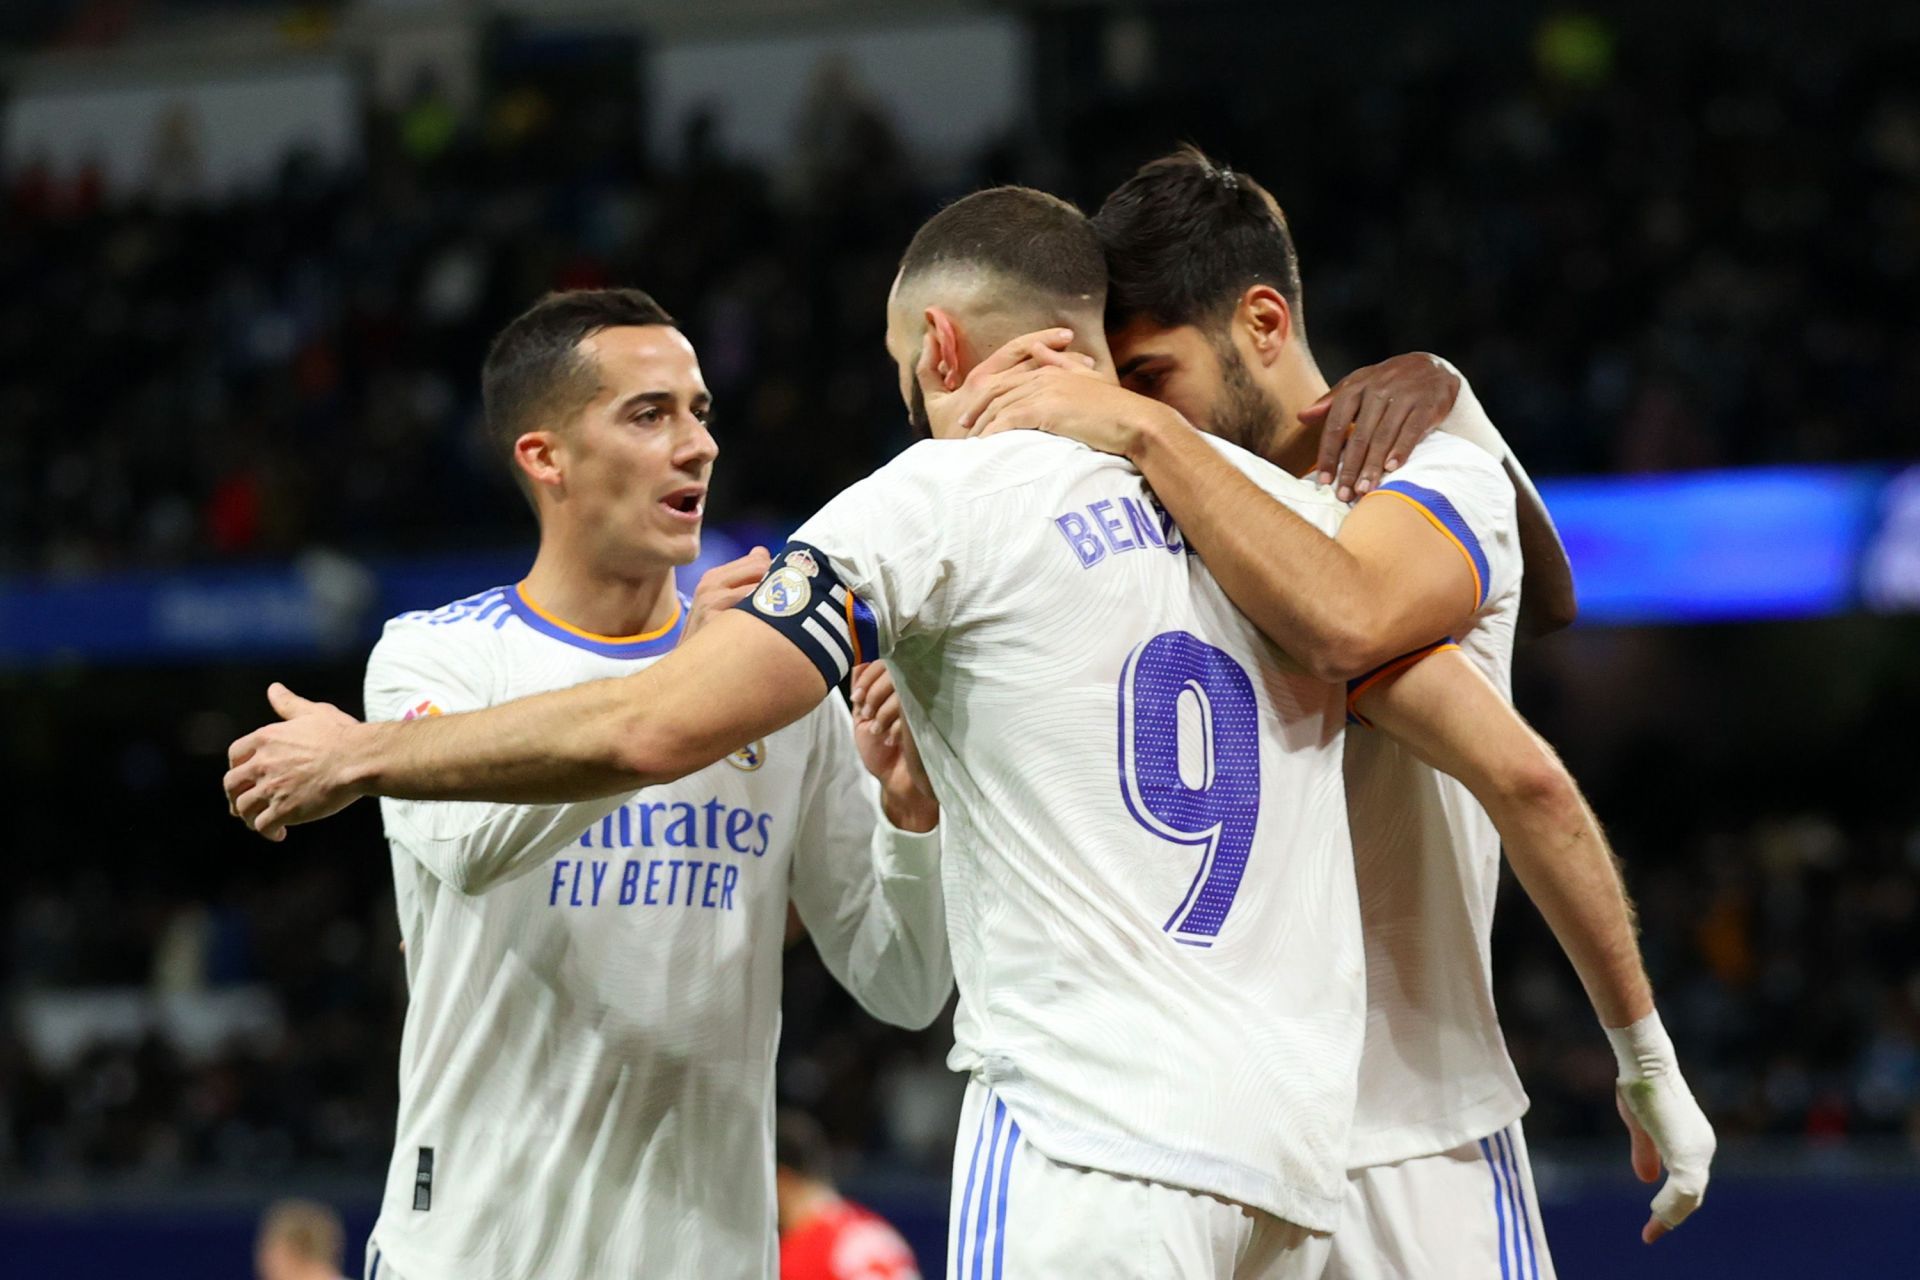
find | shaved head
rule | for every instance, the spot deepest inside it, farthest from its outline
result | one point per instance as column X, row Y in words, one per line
column 1007, row 260
column 986, row 269
column 1034, row 241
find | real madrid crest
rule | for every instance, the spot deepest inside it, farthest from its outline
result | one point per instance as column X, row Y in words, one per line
column 749, row 757
column 785, row 592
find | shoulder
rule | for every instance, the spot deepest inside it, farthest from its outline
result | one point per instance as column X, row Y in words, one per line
column 1449, row 456
column 463, row 626
column 481, row 606
column 1454, row 479
column 913, row 502
column 1467, row 495
column 1315, row 504
column 965, row 470
column 1278, row 482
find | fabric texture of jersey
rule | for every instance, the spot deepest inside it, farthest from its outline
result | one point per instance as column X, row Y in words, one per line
column 1149, row 880
column 1465, row 1214
column 1435, row 1071
column 1017, row 1215
column 586, row 1072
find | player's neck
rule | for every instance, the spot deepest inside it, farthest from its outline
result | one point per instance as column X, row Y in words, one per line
column 1296, row 446
column 567, row 587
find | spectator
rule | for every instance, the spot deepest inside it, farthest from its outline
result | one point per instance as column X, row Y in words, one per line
column 1631, row 241
column 300, row 1240
column 822, row 1235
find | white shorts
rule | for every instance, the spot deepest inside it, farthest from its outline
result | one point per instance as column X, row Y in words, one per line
column 1017, row 1215
column 1466, row 1214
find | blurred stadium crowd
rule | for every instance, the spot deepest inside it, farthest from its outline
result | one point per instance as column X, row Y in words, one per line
column 1642, row 266
column 1647, row 250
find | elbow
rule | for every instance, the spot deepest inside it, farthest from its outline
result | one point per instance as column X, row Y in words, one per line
column 921, row 1022
column 916, row 1020
column 1339, row 653
column 920, row 1015
column 467, row 877
column 1563, row 612
column 909, row 1007
column 642, row 756
column 1556, row 613
column 1537, row 786
column 1339, row 666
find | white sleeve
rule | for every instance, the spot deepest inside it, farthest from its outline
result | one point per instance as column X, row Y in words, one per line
column 1467, row 496
column 469, row 845
column 1468, row 418
column 871, row 571
column 868, row 892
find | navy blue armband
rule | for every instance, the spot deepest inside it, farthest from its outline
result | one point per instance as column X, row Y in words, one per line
column 804, row 600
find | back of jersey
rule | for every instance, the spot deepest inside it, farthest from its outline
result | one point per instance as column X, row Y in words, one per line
column 1148, row 873
column 1434, row 1071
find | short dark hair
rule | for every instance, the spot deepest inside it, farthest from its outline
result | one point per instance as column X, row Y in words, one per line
column 534, row 369
column 1036, row 240
column 1185, row 238
column 801, row 1145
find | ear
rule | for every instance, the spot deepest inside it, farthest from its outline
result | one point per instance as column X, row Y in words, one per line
column 537, row 454
column 1267, row 319
column 944, row 353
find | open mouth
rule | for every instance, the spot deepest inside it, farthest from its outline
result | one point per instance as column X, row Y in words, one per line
column 686, row 504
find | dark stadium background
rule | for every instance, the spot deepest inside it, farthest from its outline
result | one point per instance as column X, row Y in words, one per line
column 250, row 254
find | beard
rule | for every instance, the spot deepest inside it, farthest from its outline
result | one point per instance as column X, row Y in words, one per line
column 1245, row 415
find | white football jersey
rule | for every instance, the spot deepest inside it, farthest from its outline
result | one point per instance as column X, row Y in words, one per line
column 1149, row 881
column 587, row 1070
column 1435, row 1072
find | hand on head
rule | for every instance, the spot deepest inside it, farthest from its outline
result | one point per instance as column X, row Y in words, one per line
column 954, row 402
column 1029, row 386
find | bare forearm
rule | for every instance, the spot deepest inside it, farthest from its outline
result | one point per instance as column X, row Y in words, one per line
column 1561, row 858
column 1305, row 592
column 1450, row 716
column 573, row 744
column 737, row 680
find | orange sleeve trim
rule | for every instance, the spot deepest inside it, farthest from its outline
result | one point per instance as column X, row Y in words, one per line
column 1359, row 688
column 853, row 632
column 1479, row 587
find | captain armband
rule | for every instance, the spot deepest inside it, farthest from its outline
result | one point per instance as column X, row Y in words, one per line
column 804, row 600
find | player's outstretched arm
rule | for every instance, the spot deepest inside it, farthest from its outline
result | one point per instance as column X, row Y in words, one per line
column 735, row 681
column 1447, row 713
column 470, row 846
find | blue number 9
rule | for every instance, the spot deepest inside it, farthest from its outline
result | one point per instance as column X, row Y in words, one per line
column 1220, row 814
